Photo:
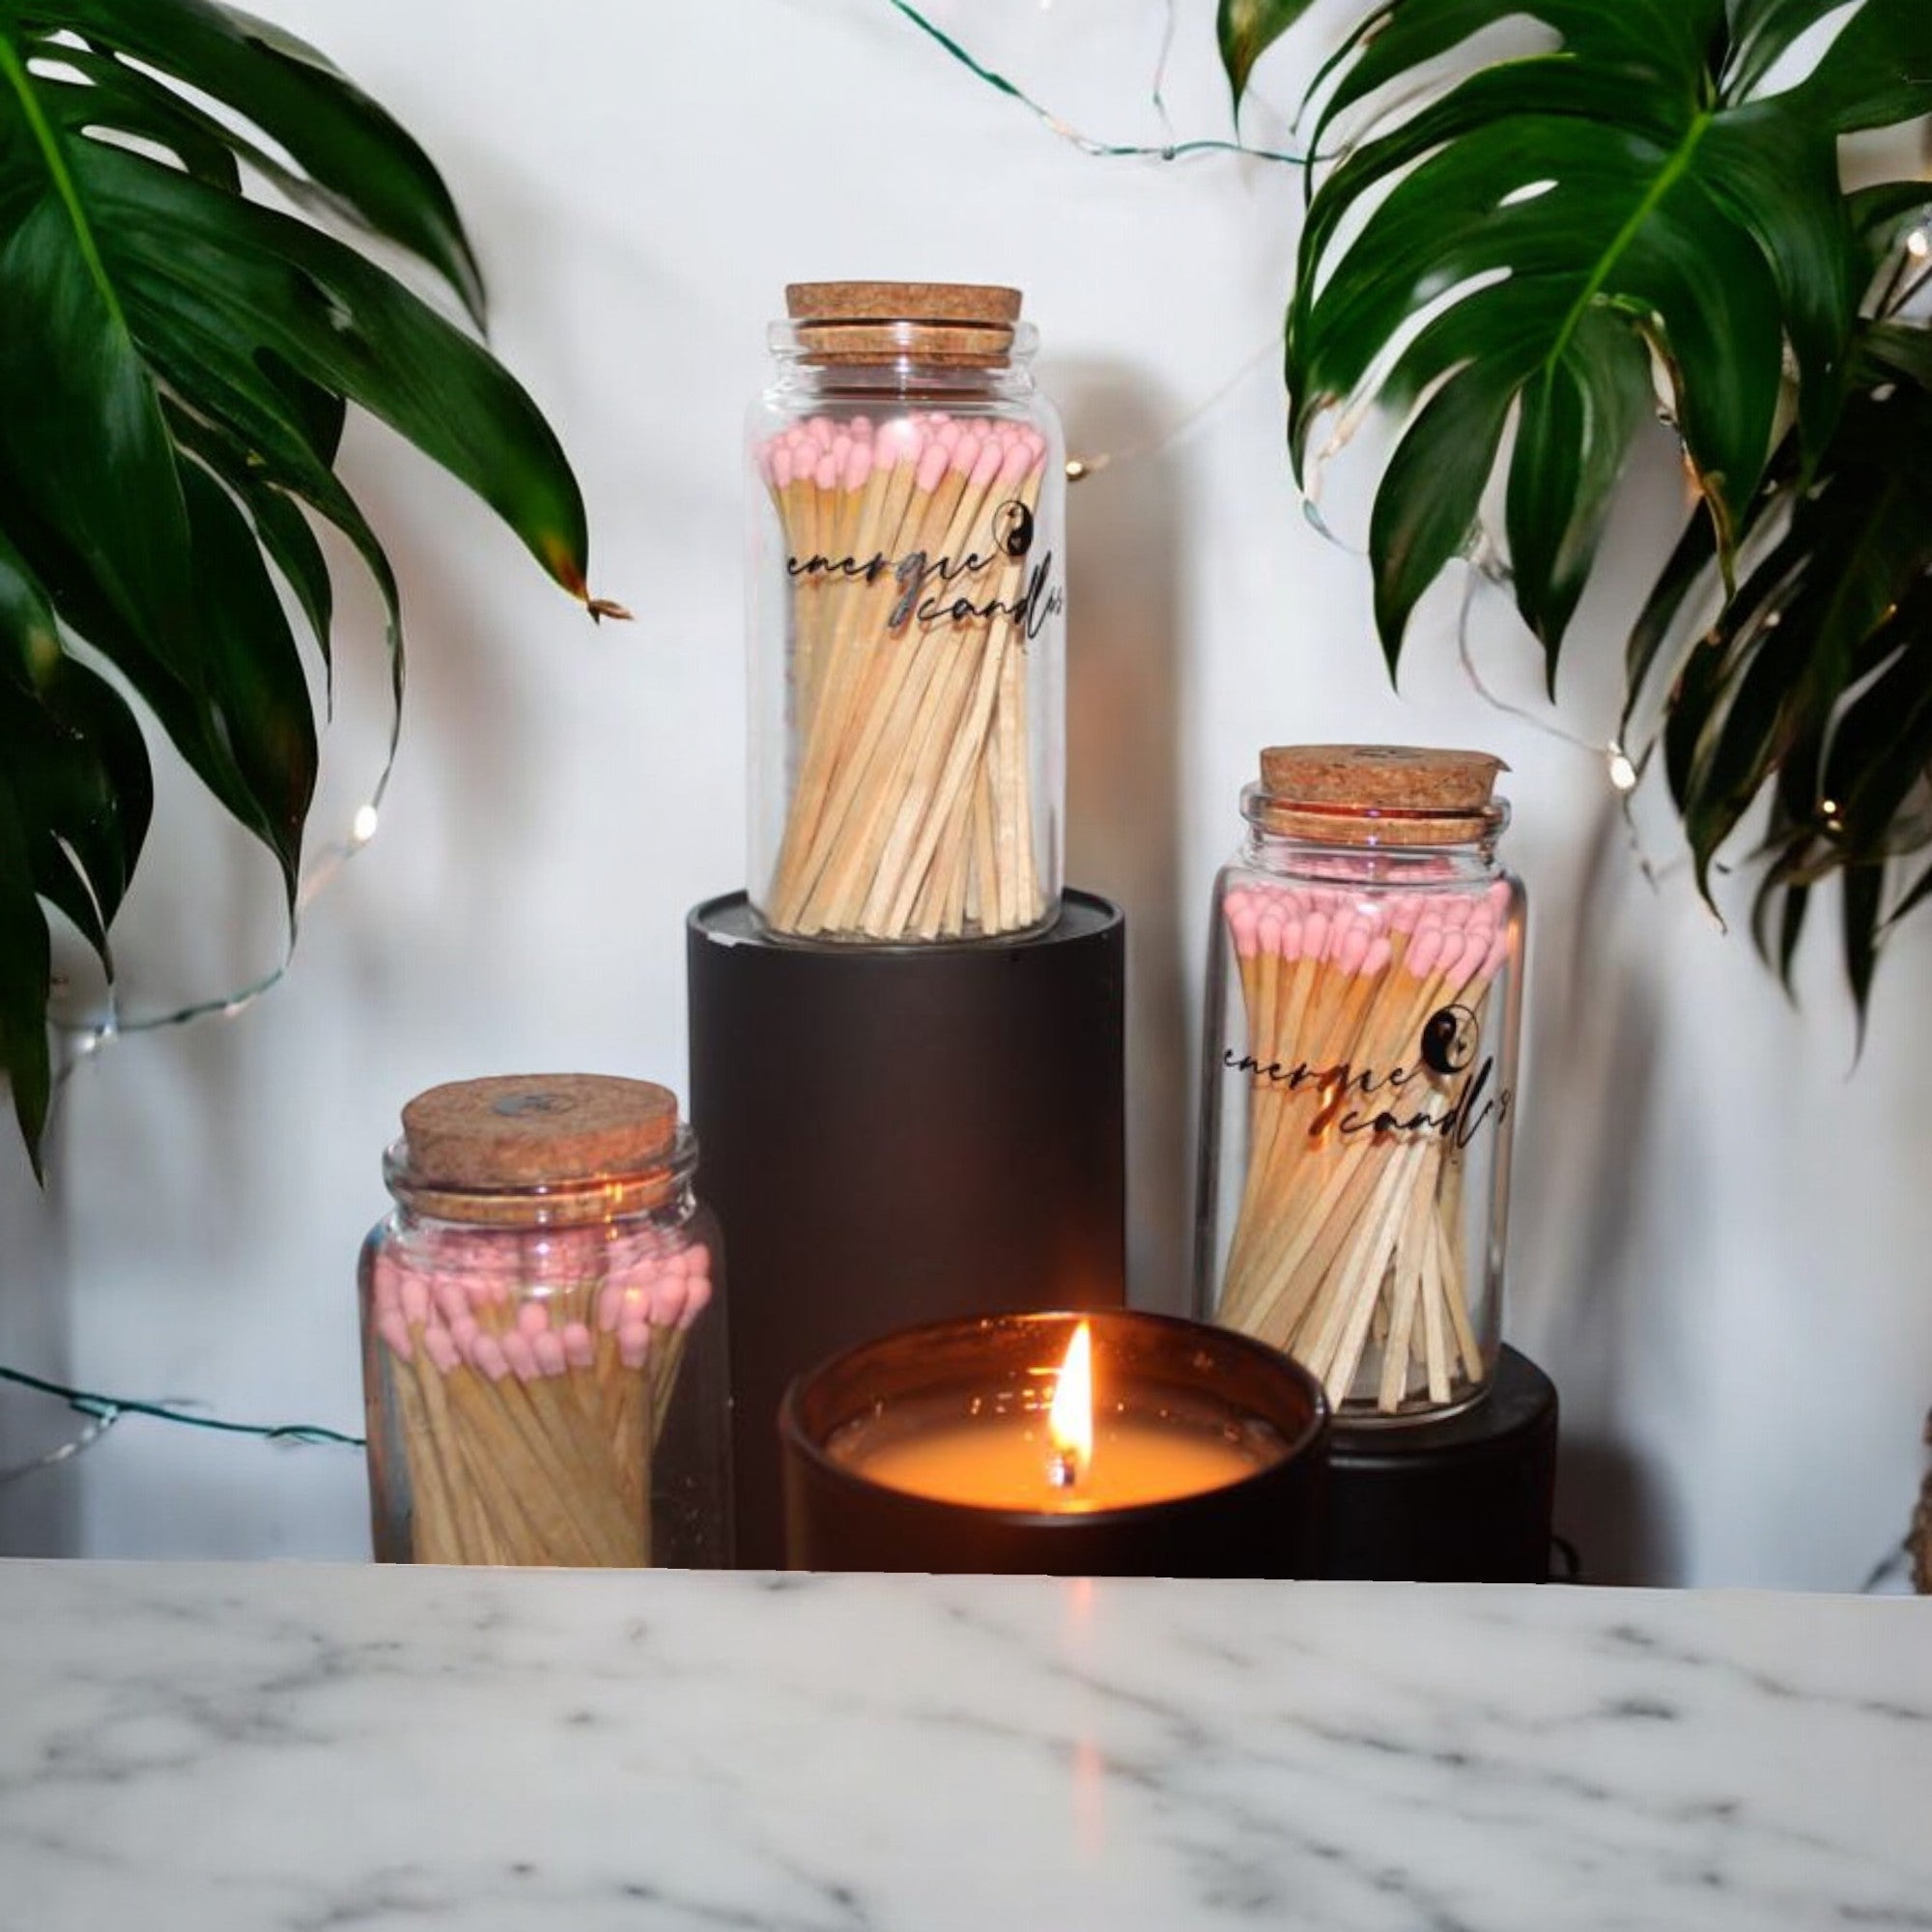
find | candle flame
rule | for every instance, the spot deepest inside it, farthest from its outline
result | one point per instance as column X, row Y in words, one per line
column 1069, row 1422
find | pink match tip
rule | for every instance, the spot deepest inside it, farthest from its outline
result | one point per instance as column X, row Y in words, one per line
column 520, row 1354
column 412, row 1295
column 826, row 474
column 385, row 1280
column 858, row 464
column 551, row 1358
column 1494, row 959
column 1375, row 959
column 533, row 1319
column 633, row 1344
column 861, row 426
column 667, row 1304
column 991, row 460
column 1315, row 930
column 579, row 1346
column 488, row 1356
column 932, row 467
column 697, row 1301
column 1352, row 947
column 1424, row 951
column 439, row 1345
column 395, row 1331
column 1243, row 920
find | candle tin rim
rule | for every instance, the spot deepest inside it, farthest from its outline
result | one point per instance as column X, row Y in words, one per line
column 793, row 1433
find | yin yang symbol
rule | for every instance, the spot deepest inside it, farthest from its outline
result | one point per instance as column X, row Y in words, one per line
column 1450, row 1038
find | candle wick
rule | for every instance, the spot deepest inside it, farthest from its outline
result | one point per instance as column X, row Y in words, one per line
column 1062, row 1471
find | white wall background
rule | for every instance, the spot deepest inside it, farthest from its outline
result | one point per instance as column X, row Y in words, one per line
column 1719, row 1235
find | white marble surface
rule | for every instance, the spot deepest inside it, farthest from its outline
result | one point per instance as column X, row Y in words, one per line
column 302, row 1747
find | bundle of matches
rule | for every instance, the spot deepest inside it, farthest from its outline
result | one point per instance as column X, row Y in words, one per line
column 916, row 585
column 527, row 1410
column 1365, row 1016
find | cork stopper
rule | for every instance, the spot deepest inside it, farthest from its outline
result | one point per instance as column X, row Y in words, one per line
column 471, row 1148
column 934, row 322
column 1380, row 794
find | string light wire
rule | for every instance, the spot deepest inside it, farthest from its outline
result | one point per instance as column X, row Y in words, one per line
column 105, row 1410
column 1167, row 151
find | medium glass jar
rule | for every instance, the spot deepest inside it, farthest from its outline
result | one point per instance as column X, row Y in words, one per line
column 543, row 1331
column 1364, row 1004
column 908, row 588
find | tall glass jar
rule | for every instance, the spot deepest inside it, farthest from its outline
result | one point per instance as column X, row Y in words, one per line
column 1364, row 1004
column 543, row 1331
column 907, row 584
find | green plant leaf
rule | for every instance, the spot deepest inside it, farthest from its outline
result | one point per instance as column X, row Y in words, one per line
column 25, row 970
column 77, row 760
column 1863, row 892
column 1577, row 418
column 1618, row 215
column 177, row 363
column 91, row 454
column 353, row 156
column 1247, row 29
column 1424, row 513
column 274, row 286
column 1876, row 73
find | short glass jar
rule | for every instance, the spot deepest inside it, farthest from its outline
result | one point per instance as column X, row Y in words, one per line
column 907, row 599
column 1364, row 1006
column 543, row 1331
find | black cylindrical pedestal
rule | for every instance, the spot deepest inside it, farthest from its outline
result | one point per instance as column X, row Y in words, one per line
column 897, row 1135
column 1462, row 1501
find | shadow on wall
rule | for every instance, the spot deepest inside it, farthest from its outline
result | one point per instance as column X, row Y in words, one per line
column 1122, row 779
column 38, row 1508
column 1598, row 1015
column 1611, row 1509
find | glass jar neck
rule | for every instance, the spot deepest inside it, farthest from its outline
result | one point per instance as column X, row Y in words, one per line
column 1404, row 866
column 807, row 379
column 1345, row 847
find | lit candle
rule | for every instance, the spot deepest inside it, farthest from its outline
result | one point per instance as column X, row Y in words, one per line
column 1065, row 1456
column 1117, row 1444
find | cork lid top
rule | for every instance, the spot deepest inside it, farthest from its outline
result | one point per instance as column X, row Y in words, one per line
column 1384, row 794
column 951, row 324
column 537, row 1130
column 974, row 303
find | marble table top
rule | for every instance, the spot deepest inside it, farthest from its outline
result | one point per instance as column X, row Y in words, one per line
column 302, row 1747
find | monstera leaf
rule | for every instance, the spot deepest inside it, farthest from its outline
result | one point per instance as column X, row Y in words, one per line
column 1524, row 260
column 176, row 362
column 1815, row 679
